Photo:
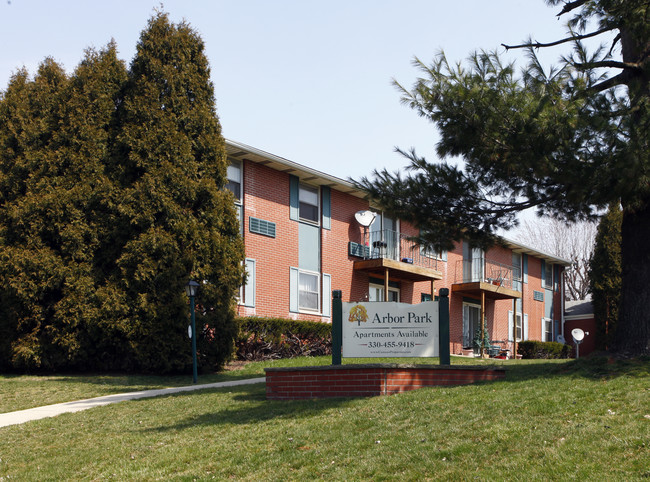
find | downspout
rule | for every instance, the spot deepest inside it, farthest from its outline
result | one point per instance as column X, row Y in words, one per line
column 562, row 281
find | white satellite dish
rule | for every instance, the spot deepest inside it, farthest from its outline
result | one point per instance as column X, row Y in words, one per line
column 578, row 335
column 560, row 339
column 365, row 218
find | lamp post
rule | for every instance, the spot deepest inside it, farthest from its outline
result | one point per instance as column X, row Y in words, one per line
column 190, row 289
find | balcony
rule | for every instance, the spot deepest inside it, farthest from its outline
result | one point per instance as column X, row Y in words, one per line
column 482, row 277
column 390, row 253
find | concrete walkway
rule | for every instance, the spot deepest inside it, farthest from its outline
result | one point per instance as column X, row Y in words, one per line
column 22, row 416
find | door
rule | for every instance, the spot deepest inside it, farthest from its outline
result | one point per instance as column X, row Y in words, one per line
column 384, row 237
column 471, row 316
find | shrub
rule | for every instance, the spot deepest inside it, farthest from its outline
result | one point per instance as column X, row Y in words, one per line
column 273, row 338
column 543, row 349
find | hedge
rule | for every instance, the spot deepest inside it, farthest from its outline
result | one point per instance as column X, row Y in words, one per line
column 543, row 349
column 273, row 338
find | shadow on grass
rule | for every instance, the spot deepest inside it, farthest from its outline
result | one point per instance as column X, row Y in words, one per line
column 254, row 408
column 594, row 368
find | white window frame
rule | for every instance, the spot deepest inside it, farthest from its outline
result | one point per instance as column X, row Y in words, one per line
column 547, row 335
column 380, row 291
column 517, row 275
column 309, row 188
column 548, row 280
column 316, row 275
column 236, row 165
column 249, row 285
column 519, row 326
column 524, row 325
column 429, row 253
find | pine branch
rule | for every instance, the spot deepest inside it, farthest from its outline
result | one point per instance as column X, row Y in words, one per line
column 571, row 6
column 620, row 79
column 572, row 38
column 607, row 63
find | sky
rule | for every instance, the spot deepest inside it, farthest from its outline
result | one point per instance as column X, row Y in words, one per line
column 308, row 80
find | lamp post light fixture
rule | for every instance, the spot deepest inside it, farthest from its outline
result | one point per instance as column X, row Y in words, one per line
column 191, row 289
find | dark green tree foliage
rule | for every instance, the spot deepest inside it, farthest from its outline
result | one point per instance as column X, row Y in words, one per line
column 605, row 276
column 566, row 142
column 176, row 221
column 54, row 208
column 111, row 199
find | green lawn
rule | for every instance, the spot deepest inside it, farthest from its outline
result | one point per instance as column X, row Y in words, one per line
column 585, row 420
column 21, row 392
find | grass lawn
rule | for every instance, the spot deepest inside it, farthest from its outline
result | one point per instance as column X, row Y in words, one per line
column 584, row 420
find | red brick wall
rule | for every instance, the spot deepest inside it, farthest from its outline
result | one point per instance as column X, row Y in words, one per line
column 266, row 196
column 367, row 380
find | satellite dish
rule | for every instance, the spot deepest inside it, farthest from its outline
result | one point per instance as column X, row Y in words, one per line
column 560, row 339
column 578, row 335
column 365, row 218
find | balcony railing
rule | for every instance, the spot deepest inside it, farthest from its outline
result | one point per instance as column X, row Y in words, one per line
column 486, row 271
column 389, row 244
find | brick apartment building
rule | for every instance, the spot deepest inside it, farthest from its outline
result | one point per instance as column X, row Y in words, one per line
column 303, row 240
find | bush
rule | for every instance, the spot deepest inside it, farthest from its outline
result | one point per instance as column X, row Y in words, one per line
column 543, row 349
column 273, row 338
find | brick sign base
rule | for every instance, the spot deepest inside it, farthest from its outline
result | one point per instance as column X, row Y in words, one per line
column 368, row 380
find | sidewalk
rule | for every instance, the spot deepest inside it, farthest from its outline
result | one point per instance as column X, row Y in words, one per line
column 22, row 416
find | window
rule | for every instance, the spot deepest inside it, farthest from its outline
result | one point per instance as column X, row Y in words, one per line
column 376, row 293
column 548, row 276
column 516, row 266
column 547, row 329
column 234, row 179
column 247, row 290
column 308, row 291
column 234, row 186
column 519, row 327
column 308, row 203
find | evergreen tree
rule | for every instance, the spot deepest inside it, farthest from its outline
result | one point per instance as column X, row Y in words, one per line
column 567, row 142
column 177, row 222
column 30, row 269
column 52, row 212
column 605, row 276
column 111, row 198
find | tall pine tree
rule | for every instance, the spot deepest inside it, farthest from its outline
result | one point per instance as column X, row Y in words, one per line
column 566, row 141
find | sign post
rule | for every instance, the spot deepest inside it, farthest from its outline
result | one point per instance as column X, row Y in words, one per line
column 443, row 321
column 337, row 327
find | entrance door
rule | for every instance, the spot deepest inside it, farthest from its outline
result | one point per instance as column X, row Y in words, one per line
column 384, row 237
column 376, row 293
column 471, row 317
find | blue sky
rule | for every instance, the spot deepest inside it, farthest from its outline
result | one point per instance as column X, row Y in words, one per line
column 306, row 80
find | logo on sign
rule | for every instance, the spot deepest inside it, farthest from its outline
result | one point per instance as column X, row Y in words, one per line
column 358, row 314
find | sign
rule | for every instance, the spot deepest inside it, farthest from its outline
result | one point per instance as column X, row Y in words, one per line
column 381, row 329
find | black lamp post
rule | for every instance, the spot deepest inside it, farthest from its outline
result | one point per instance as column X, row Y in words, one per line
column 191, row 289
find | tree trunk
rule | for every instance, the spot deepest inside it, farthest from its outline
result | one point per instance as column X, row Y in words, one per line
column 633, row 331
